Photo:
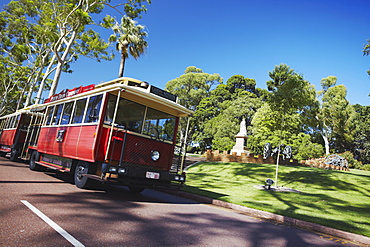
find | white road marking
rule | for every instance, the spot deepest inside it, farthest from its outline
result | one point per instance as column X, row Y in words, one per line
column 54, row 225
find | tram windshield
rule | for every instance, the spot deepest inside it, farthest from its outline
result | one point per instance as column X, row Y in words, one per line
column 140, row 119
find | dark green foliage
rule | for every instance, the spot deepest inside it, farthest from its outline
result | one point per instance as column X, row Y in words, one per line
column 361, row 145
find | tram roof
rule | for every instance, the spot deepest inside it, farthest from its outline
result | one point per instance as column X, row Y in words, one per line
column 27, row 110
column 135, row 90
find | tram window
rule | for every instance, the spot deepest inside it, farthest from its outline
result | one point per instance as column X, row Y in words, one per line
column 79, row 111
column 49, row 114
column 57, row 114
column 159, row 125
column 16, row 121
column 130, row 115
column 67, row 112
column 93, row 109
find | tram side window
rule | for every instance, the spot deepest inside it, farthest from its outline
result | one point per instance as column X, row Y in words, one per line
column 93, row 109
column 67, row 112
column 159, row 125
column 49, row 114
column 6, row 122
column 79, row 111
column 57, row 114
column 10, row 122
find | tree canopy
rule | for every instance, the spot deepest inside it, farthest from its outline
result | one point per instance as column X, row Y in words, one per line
column 39, row 38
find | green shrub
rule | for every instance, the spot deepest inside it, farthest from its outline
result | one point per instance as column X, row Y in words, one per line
column 352, row 163
column 366, row 167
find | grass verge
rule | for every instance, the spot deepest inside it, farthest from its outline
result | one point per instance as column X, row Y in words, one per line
column 337, row 199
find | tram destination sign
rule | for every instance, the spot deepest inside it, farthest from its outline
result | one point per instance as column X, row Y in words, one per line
column 162, row 93
column 69, row 93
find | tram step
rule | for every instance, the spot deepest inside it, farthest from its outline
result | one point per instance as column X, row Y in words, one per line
column 51, row 167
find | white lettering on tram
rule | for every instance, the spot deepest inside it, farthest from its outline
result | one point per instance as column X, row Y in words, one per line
column 54, row 225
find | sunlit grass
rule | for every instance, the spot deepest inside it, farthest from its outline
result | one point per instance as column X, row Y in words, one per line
column 337, row 199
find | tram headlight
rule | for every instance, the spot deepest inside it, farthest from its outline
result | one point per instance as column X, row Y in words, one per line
column 121, row 170
column 155, row 155
column 112, row 169
column 179, row 178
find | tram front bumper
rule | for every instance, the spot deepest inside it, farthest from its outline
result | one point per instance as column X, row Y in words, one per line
column 141, row 174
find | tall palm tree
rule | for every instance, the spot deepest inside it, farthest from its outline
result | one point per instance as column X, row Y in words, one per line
column 130, row 38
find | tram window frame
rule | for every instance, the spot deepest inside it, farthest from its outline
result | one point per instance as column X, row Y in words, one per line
column 57, row 114
column 94, row 105
column 49, row 114
column 79, row 119
column 67, row 115
column 13, row 121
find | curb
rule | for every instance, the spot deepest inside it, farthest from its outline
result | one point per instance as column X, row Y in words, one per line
column 275, row 217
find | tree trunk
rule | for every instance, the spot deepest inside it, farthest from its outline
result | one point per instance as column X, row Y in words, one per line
column 30, row 91
column 60, row 65
column 122, row 65
column 46, row 75
column 326, row 142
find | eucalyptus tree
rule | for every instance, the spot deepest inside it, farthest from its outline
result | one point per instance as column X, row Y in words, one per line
column 21, row 52
column 48, row 35
column 74, row 39
column 191, row 87
column 335, row 116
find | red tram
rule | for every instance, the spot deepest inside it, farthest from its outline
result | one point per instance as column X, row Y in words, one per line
column 122, row 131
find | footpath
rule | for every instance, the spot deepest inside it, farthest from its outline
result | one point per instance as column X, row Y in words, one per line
column 270, row 216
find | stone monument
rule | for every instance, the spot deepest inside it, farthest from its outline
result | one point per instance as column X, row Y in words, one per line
column 240, row 147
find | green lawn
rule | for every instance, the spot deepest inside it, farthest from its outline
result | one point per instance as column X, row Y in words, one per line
column 332, row 198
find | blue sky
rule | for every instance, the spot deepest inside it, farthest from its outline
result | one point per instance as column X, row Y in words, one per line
column 317, row 38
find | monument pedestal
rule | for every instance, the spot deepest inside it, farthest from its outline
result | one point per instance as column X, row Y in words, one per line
column 239, row 147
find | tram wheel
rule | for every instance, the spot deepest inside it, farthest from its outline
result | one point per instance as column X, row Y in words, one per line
column 2, row 154
column 81, row 181
column 14, row 153
column 35, row 156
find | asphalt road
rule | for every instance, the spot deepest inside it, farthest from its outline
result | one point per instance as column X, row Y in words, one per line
column 46, row 209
